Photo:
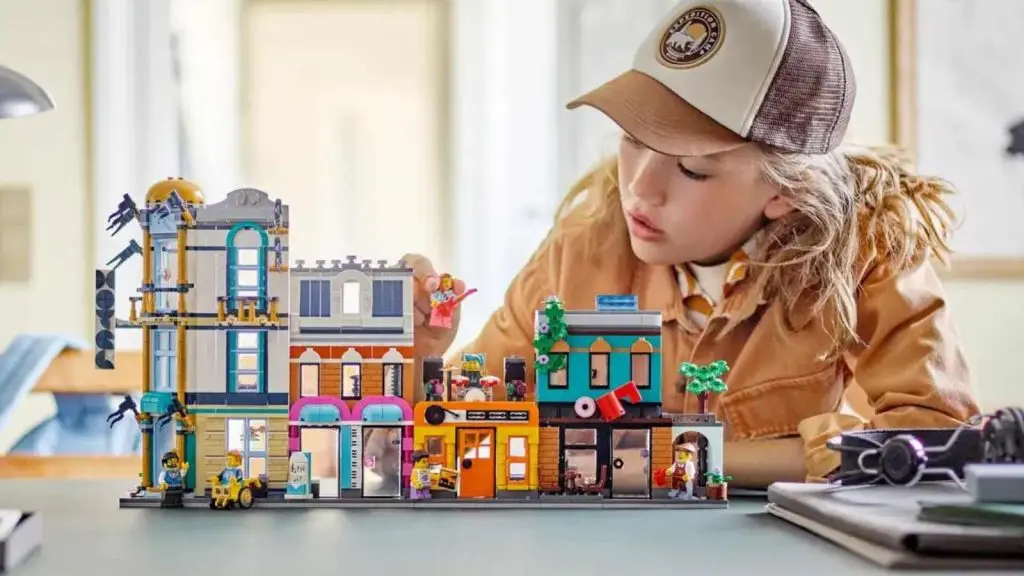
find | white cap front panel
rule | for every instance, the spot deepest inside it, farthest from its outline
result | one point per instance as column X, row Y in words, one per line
column 719, row 55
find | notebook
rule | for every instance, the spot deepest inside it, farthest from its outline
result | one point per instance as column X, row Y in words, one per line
column 882, row 524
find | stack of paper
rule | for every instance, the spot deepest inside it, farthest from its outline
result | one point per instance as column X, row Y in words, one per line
column 21, row 533
column 883, row 524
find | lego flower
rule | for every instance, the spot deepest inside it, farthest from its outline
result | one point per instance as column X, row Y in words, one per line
column 543, row 359
column 543, row 327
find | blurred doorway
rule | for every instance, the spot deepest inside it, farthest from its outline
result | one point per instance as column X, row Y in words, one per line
column 345, row 118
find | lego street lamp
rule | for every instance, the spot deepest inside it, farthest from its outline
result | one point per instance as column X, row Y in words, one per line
column 20, row 96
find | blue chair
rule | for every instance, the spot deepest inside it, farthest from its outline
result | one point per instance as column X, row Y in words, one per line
column 79, row 427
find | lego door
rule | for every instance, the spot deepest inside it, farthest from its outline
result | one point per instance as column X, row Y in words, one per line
column 476, row 462
column 631, row 463
column 382, row 461
column 163, row 440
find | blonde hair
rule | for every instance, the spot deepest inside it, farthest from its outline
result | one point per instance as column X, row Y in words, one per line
column 853, row 208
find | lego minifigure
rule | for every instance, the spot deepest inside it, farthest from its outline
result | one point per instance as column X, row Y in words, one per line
column 233, row 469
column 419, row 480
column 444, row 300
column 172, row 480
column 682, row 473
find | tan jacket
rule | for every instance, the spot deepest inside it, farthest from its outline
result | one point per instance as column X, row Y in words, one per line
column 912, row 367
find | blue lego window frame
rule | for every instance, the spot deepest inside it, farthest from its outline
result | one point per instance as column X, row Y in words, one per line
column 234, row 290
column 246, row 451
column 233, row 266
column 165, row 360
column 233, row 372
column 388, row 298
column 315, row 298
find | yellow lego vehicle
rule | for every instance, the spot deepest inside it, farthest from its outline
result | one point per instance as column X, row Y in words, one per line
column 234, row 493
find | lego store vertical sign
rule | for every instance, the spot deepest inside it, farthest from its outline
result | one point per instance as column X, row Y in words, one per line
column 106, row 323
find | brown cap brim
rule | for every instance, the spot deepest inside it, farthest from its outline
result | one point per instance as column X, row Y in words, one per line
column 658, row 118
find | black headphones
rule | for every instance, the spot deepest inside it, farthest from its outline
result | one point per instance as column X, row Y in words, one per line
column 906, row 457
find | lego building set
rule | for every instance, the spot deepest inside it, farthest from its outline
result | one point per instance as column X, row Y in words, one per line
column 290, row 385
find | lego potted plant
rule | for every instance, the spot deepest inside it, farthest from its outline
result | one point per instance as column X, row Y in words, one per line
column 703, row 379
column 718, row 485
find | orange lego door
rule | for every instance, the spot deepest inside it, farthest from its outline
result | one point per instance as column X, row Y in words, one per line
column 476, row 463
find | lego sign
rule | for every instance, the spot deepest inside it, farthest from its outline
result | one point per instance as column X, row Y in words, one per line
column 106, row 322
column 497, row 416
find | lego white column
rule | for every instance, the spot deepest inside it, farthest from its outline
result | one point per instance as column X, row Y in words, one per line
column 505, row 139
column 209, row 43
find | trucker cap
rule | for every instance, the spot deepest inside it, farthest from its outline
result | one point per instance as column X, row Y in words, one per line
column 717, row 73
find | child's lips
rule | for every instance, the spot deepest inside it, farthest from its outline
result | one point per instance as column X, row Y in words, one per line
column 641, row 227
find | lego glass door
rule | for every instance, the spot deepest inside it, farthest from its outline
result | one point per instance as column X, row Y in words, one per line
column 631, row 464
column 162, row 440
column 322, row 445
column 476, row 463
column 346, row 113
column 382, row 461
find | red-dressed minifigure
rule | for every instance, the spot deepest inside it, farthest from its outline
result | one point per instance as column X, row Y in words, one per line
column 444, row 300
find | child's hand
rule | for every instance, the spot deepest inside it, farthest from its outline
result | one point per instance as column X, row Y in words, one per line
column 430, row 340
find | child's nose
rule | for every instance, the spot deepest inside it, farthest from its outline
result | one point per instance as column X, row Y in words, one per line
column 650, row 178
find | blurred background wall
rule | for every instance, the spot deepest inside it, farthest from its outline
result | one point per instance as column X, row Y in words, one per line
column 389, row 126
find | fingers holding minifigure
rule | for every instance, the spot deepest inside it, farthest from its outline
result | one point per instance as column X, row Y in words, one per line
column 431, row 289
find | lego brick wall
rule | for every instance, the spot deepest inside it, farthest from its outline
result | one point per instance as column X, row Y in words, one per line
column 373, row 379
column 547, row 456
column 211, row 447
column 661, row 450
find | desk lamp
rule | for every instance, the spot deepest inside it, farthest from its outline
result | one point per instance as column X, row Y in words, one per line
column 20, row 96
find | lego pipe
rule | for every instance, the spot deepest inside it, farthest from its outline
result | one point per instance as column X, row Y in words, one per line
column 147, row 352
column 147, row 360
column 180, row 353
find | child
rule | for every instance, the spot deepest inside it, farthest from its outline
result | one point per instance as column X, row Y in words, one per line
column 732, row 209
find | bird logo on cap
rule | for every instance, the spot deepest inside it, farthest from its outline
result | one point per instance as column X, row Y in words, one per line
column 692, row 38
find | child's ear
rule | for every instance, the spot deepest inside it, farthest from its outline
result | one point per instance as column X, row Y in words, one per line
column 777, row 207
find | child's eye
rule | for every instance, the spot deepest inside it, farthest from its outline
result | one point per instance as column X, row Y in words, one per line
column 690, row 173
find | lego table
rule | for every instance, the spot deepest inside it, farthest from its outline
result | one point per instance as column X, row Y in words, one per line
column 82, row 525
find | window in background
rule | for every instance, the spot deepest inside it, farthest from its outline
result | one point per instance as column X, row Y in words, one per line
column 347, row 119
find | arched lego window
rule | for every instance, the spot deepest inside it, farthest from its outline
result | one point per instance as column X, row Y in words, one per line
column 600, row 354
column 559, row 379
column 351, row 375
column 246, row 246
column 309, row 373
column 640, row 363
column 247, row 263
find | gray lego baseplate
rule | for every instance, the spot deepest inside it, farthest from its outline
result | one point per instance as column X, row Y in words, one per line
column 543, row 501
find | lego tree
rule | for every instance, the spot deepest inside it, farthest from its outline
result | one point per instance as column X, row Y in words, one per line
column 703, row 379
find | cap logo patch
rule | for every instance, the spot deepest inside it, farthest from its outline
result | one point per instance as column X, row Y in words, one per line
column 692, row 38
